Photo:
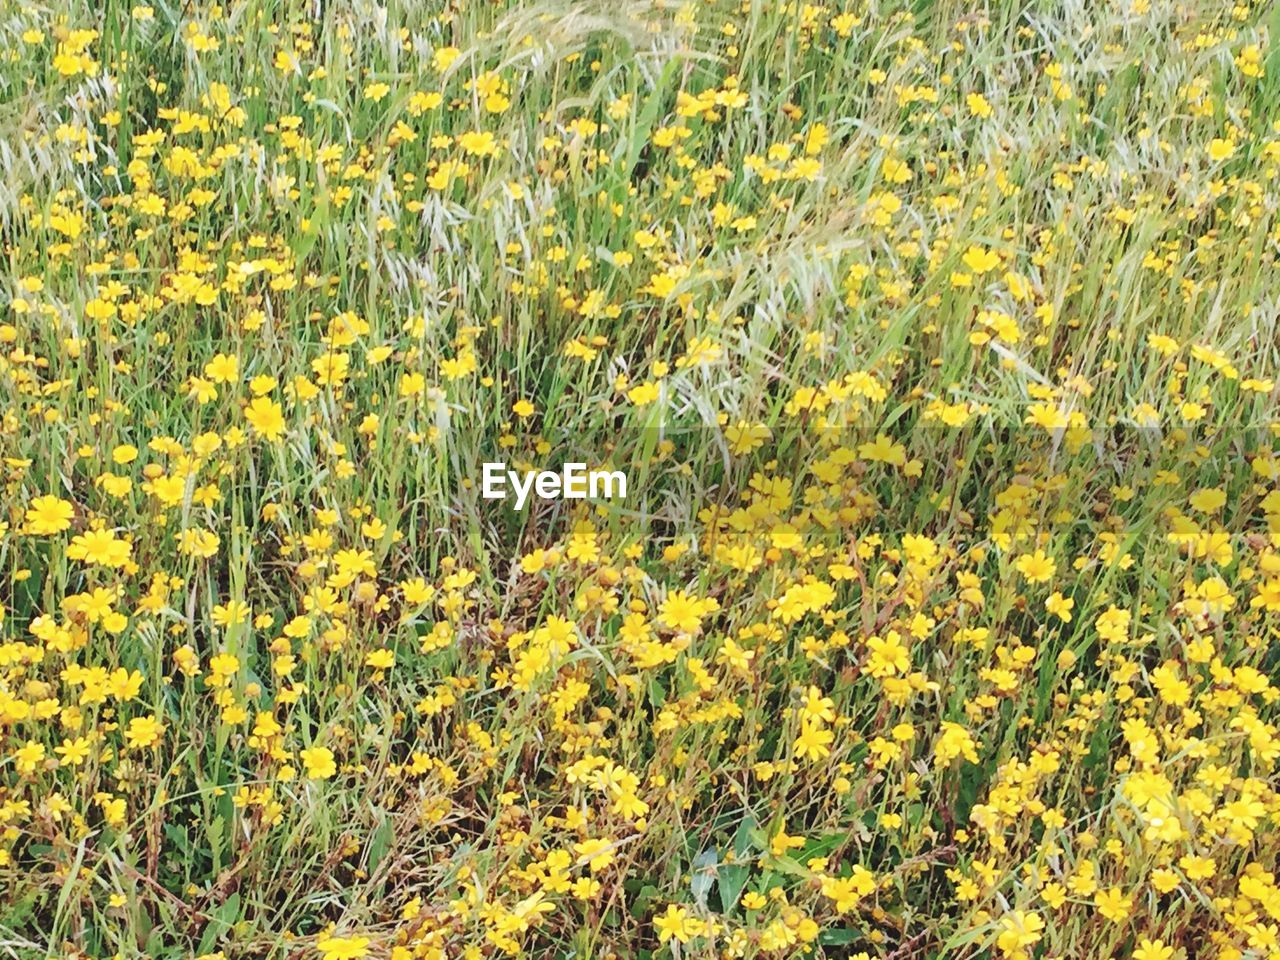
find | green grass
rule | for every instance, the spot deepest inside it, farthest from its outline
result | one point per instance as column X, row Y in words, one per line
column 806, row 253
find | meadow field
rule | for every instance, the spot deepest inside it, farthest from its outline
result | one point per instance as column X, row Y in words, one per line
column 937, row 341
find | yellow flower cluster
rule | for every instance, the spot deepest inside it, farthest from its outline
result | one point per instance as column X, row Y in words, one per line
column 938, row 345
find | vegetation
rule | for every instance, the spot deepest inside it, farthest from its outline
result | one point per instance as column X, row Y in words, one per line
column 938, row 343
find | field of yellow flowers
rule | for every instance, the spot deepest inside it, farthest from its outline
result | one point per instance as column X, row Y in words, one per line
column 937, row 341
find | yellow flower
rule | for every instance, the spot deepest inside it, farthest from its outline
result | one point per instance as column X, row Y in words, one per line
column 1153, row 950
column 814, row 741
column 782, row 841
column 1059, row 606
column 887, row 656
column 343, row 948
column 28, row 757
column 478, row 144
column 444, row 57
column 319, row 762
column 643, row 394
column 1054, row 895
column 1047, row 415
column 675, row 923
column 73, row 752
column 1209, row 500
column 412, row 384
column 978, row 105
column 744, row 437
column 144, row 731
column 1113, row 904
column 455, row 368
column 48, row 515
column 980, row 260
column 1221, row 149
column 1036, row 567
column 847, row 892
column 266, row 417
column 680, row 611
column 596, row 852
column 1198, row 868
column 223, row 368
column 100, row 547
column 954, row 741
column 1019, row 929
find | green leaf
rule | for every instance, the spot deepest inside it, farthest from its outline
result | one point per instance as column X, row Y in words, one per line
column 840, row 936
column 732, row 878
column 380, row 842
column 742, row 839
column 216, row 832
column 640, row 905
column 704, row 876
column 657, row 695
column 222, row 919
